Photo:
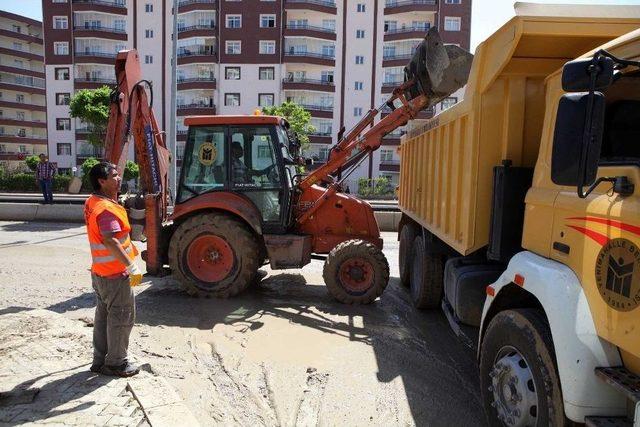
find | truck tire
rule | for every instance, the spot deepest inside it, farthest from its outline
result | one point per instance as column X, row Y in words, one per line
column 426, row 284
column 213, row 255
column 518, row 377
column 405, row 253
column 356, row 272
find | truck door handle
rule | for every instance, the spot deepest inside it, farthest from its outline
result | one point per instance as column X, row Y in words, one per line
column 561, row 247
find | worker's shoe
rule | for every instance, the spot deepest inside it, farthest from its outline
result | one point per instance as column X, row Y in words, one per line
column 97, row 368
column 124, row 370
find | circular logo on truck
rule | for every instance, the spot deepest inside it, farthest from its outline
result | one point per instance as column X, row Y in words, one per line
column 618, row 274
column 207, row 154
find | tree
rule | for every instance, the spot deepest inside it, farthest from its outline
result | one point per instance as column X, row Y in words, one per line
column 92, row 107
column 131, row 171
column 32, row 162
column 298, row 118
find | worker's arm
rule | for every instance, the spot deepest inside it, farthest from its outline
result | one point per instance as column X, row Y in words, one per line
column 115, row 247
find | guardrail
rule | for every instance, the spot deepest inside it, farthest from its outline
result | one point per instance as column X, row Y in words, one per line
column 310, row 27
column 99, row 28
column 311, row 55
column 309, row 81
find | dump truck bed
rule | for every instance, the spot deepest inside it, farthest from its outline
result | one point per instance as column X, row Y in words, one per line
column 446, row 172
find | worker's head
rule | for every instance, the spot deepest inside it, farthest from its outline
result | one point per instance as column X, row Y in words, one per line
column 236, row 150
column 104, row 177
column 43, row 157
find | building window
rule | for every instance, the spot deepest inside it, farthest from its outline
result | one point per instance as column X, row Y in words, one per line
column 359, row 59
column 326, row 76
column 232, row 99
column 265, row 99
column 22, row 132
column 148, row 34
column 23, row 149
column 448, row 102
column 63, row 124
column 452, row 23
column 386, row 155
column 20, row 115
column 361, row 7
column 267, row 21
column 359, row 34
column 62, row 98
column 233, row 47
column 16, row 28
column 3, row 148
column 17, row 46
column 19, row 98
column 357, row 111
column 62, row 73
column 148, row 7
column 61, row 48
column 453, row 1
column 266, row 73
column 232, row 73
column 267, row 47
column 60, row 22
column 64, row 149
column 359, row 85
column 148, row 59
column 234, row 21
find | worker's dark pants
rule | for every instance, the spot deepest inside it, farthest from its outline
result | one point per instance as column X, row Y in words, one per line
column 47, row 192
column 115, row 314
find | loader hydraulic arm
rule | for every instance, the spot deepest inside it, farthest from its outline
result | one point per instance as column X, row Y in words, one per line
column 131, row 115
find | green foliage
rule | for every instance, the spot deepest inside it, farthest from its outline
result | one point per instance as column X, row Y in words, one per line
column 26, row 182
column 298, row 118
column 92, row 107
column 374, row 187
column 32, row 162
column 131, row 171
column 86, row 167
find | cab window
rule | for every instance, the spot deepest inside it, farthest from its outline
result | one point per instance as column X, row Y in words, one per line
column 253, row 160
column 203, row 168
column 622, row 122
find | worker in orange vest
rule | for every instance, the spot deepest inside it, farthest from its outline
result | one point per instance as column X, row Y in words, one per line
column 113, row 273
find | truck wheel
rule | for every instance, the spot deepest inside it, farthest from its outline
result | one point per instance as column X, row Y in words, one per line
column 356, row 272
column 426, row 282
column 213, row 255
column 518, row 378
column 407, row 236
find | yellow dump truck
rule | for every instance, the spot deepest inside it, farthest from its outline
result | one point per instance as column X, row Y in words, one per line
column 521, row 216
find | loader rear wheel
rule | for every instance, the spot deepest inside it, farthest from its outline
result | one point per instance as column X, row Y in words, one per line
column 405, row 254
column 213, row 255
column 427, row 276
column 356, row 272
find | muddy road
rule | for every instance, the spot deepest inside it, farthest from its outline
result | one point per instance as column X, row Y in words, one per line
column 282, row 353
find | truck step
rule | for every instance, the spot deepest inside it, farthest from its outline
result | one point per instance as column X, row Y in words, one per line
column 607, row 422
column 622, row 380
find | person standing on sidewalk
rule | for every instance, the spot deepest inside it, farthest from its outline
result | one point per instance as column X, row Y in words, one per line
column 44, row 176
column 113, row 273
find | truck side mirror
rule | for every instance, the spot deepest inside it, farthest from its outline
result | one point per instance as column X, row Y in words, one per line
column 577, row 74
column 576, row 151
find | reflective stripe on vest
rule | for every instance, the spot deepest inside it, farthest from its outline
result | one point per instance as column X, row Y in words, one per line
column 104, row 263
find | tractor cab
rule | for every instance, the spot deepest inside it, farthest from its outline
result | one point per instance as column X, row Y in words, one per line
column 246, row 155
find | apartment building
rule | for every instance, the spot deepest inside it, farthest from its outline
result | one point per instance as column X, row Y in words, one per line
column 337, row 58
column 23, row 128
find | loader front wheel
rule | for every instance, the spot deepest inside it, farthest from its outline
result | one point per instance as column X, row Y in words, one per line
column 356, row 272
column 213, row 255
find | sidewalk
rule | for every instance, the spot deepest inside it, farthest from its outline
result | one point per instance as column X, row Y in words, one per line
column 45, row 378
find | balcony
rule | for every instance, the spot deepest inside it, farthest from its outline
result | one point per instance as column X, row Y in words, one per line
column 401, row 6
column 191, row 5
column 388, row 87
column 85, row 152
column 23, row 71
column 196, row 54
column 117, row 7
column 23, row 139
column 22, row 84
column 199, row 82
column 104, row 32
column 197, row 109
column 31, row 38
column 22, row 54
column 308, row 84
column 92, row 82
column 317, row 110
column 396, row 59
column 200, row 30
column 320, row 138
column 94, row 57
column 303, row 57
column 23, row 106
column 406, row 33
column 389, row 165
column 326, row 6
column 310, row 31
column 422, row 115
column 181, row 135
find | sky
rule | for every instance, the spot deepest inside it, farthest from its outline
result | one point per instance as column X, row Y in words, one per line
column 487, row 15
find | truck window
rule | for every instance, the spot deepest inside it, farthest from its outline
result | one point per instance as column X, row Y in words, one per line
column 204, row 162
column 621, row 139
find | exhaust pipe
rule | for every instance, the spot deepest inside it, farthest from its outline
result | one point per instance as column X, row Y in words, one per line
column 437, row 69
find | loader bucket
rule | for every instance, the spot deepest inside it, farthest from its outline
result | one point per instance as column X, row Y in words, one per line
column 438, row 69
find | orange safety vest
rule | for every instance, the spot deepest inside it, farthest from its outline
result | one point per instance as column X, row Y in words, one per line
column 104, row 263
